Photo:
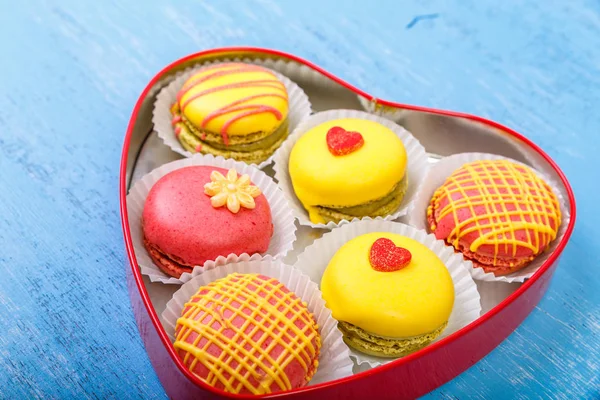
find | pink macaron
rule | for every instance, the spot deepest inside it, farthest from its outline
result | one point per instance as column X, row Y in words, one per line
column 196, row 214
column 497, row 213
column 248, row 334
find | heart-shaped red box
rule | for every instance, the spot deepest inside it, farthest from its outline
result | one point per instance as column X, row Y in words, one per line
column 442, row 133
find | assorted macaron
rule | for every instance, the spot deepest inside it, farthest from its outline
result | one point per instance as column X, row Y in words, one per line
column 234, row 110
column 348, row 168
column 499, row 214
column 248, row 334
column 391, row 294
column 199, row 213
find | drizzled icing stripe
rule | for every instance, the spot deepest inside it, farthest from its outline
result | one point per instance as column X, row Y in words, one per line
column 222, row 72
column 231, row 107
column 238, row 85
column 268, row 311
column 514, row 199
column 237, row 106
column 256, row 109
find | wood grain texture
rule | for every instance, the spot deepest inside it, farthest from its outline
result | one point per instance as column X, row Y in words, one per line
column 69, row 77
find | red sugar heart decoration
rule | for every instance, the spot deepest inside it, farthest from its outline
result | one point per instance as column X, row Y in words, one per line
column 386, row 257
column 341, row 142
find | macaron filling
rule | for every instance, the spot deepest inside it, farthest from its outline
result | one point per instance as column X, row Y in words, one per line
column 260, row 139
column 255, row 147
column 169, row 264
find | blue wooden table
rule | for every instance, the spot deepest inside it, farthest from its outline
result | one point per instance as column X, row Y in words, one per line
column 69, row 76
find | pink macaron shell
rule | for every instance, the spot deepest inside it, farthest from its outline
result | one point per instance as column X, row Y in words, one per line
column 179, row 219
column 445, row 225
column 496, row 265
column 294, row 371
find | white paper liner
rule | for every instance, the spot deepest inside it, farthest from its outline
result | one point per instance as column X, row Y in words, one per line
column 370, row 106
column 494, row 292
column 284, row 229
column 467, row 303
column 437, row 176
column 299, row 104
column 417, row 165
column 334, row 358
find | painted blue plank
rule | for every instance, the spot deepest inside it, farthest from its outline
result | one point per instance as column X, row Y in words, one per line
column 71, row 72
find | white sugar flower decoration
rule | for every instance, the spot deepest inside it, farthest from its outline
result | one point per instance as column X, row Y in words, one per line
column 231, row 191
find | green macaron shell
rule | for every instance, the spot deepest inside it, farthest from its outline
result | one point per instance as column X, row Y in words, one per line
column 374, row 345
column 250, row 152
column 380, row 207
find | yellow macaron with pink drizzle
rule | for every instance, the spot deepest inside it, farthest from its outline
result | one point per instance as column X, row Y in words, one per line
column 234, row 110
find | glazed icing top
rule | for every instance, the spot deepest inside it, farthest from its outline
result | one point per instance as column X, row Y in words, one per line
column 496, row 208
column 320, row 178
column 412, row 301
column 234, row 99
column 180, row 220
column 247, row 333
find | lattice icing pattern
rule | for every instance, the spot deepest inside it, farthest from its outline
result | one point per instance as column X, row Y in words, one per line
column 495, row 208
column 247, row 333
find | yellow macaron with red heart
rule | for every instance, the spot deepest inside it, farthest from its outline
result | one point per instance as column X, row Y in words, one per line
column 348, row 168
column 391, row 294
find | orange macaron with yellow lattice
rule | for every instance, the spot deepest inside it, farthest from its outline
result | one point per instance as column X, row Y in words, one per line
column 500, row 214
column 248, row 334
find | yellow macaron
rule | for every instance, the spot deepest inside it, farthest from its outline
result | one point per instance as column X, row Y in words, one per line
column 388, row 313
column 348, row 168
column 234, row 110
